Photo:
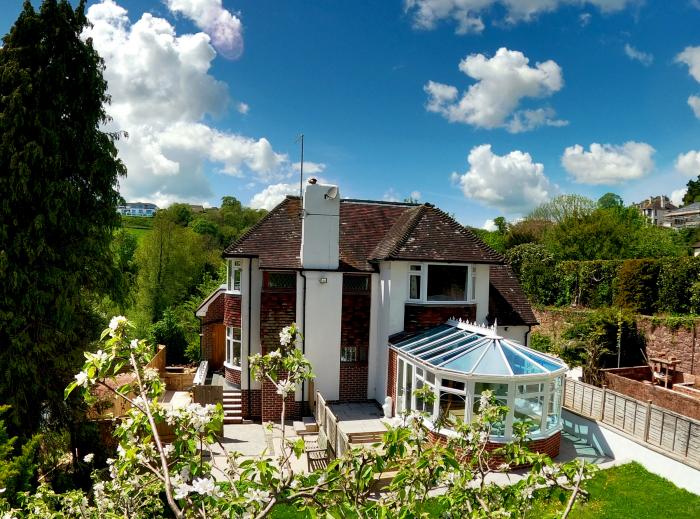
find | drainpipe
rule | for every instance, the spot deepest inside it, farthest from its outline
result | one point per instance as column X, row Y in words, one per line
column 527, row 334
column 250, row 306
column 303, row 334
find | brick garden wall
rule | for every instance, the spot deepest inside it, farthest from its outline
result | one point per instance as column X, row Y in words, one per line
column 233, row 376
column 422, row 317
column 354, row 331
column 672, row 400
column 256, row 404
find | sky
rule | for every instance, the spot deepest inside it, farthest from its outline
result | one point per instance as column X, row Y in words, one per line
column 484, row 108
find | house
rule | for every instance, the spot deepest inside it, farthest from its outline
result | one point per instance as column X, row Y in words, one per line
column 655, row 209
column 696, row 248
column 686, row 216
column 137, row 209
column 352, row 274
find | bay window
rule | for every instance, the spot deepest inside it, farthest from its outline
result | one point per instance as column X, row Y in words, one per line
column 233, row 283
column 233, row 346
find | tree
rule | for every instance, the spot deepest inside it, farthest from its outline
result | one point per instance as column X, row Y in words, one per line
column 610, row 201
column 501, row 224
column 563, row 207
column 58, row 211
column 692, row 194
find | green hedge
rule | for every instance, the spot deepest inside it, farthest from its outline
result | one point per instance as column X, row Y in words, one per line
column 646, row 286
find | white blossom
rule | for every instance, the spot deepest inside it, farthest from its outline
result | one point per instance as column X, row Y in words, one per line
column 134, row 344
column 204, row 486
column 89, row 457
column 257, row 496
column 181, row 490
column 116, row 323
column 82, row 379
column 284, row 387
column 276, row 354
column 286, row 336
column 168, row 449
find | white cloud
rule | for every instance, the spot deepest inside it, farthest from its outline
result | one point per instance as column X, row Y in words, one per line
column 644, row 58
column 391, row 195
column 224, row 28
column 489, row 225
column 688, row 164
column 584, row 19
column 694, row 104
column 273, row 195
column 161, row 93
column 416, row 195
column 243, row 108
column 312, row 168
column 608, row 163
column 677, row 196
column 467, row 14
column 501, row 83
column 512, row 183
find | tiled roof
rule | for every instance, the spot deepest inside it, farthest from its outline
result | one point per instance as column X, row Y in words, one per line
column 692, row 208
column 504, row 282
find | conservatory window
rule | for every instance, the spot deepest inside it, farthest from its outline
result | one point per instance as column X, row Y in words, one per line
column 452, row 407
column 233, row 346
column 554, row 404
column 529, row 404
column 500, row 393
column 234, row 276
column 399, row 386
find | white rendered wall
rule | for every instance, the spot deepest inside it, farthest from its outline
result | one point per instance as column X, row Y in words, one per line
column 374, row 344
column 324, row 303
column 482, row 292
column 320, row 230
column 516, row 333
column 399, row 296
column 255, row 289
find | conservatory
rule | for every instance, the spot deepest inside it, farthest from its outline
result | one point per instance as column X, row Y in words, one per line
column 459, row 361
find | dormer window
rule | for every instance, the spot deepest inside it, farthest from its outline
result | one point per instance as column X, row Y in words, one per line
column 233, row 283
column 441, row 283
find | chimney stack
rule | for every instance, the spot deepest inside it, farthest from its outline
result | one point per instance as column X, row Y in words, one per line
column 320, row 227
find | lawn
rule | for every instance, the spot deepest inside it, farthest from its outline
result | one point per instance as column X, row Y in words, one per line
column 627, row 491
column 138, row 233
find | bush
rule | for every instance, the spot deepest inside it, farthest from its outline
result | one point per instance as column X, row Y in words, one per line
column 586, row 283
column 534, row 266
column 677, row 277
column 637, row 286
column 168, row 332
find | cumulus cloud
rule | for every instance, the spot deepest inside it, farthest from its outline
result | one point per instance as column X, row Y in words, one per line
column 161, row 93
column 275, row 193
column 677, row 196
column 691, row 57
column 502, row 82
column 468, row 14
column 224, row 28
column 312, row 168
column 512, row 183
column 243, row 108
column 608, row 163
column 644, row 58
column 489, row 225
column 688, row 163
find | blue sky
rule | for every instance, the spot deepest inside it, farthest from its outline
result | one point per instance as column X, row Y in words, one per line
column 354, row 77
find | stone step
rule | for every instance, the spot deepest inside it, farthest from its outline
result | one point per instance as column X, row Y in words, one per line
column 232, row 407
column 232, row 399
column 233, row 419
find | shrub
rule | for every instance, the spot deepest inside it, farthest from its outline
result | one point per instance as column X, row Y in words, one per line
column 168, row 332
column 534, row 266
column 637, row 286
column 676, row 280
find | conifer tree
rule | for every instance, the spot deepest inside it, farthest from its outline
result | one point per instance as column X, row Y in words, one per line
column 58, row 196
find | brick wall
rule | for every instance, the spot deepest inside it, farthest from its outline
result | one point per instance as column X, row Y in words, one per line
column 233, row 376
column 255, row 395
column 421, row 317
column 660, row 396
column 354, row 331
column 549, row 446
column 277, row 310
column 391, row 379
column 232, row 310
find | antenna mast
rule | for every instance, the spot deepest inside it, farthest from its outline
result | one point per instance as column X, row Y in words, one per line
column 301, row 165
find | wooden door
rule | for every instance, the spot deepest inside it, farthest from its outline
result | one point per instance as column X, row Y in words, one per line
column 218, row 354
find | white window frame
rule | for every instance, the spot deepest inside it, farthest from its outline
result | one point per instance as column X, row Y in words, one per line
column 234, row 276
column 230, row 342
column 422, row 274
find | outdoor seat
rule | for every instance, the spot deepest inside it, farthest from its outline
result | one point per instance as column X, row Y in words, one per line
column 317, row 452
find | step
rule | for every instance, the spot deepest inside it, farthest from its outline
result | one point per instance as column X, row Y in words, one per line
column 232, row 399
column 232, row 407
column 233, row 420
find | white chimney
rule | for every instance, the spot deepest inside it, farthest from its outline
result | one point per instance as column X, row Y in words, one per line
column 320, row 228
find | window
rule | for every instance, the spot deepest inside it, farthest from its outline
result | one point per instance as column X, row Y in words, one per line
column 233, row 346
column 353, row 354
column 234, row 276
column 448, row 283
column 554, row 404
column 355, row 283
column 414, row 282
column 500, row 393
column 529, row 404
column 452, row 407
column 442, row 283
column 280, row 280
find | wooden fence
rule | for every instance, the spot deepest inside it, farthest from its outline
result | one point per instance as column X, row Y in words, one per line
column 337, row 441
column 655, row 426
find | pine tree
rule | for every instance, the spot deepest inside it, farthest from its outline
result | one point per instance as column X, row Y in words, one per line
column 58, row 178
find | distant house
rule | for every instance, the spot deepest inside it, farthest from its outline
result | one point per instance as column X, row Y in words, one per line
column 686, row 216
column 137, row 209
column 196, row 208
column 655, row 209
column 696, row 249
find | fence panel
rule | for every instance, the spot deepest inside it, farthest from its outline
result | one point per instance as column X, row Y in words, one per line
column 658, row 427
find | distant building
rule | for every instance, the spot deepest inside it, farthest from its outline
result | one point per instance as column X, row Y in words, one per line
column 696, row 249
column 196, row 208
column 137, row 209
column 655, row 209
column 686, row 216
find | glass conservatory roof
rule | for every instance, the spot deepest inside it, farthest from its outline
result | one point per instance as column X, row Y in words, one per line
column 477, row 350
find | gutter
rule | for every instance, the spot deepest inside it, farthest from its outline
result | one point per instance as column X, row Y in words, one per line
column 250, row 306
column 303, row 336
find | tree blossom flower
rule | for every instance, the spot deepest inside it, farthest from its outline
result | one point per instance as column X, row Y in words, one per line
column 204, row 486
column 257, row 496
column 181, row 490
column 82, row 379
column 116, row 322
column 284, row 387
column 89, row 457
column 286, row 336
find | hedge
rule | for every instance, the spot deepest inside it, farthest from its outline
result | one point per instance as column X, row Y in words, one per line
column 647, row 286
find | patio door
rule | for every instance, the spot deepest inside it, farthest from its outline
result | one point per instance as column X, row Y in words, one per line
column 218, row 352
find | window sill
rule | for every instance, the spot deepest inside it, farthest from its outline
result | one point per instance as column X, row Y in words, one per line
column 440, row 303
column 231, row 366
column 233, row 292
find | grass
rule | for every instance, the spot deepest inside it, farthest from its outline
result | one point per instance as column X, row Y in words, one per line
column 138, row 233
column 624, row 492
column 629, row 491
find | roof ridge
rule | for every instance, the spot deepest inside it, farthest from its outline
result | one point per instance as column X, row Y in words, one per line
column 410, row 227
column 258, row 224
column 470, row 234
